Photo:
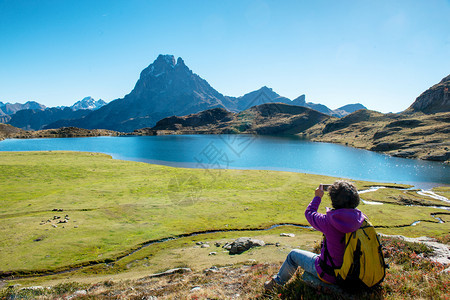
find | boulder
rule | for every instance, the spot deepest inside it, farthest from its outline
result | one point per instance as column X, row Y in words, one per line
column 385, row 146
column 287, row 234
column 213, row 269
column 404, row 154
column 168, row 272
column 77, row 294
column 438, row 157
column 242, row 244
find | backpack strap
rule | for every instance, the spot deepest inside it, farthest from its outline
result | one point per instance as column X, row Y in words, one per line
column 326, row 268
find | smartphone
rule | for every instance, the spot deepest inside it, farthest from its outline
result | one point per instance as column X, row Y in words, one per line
column 326, row 186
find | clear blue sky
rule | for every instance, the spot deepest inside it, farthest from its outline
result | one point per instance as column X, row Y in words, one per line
column 382, row 54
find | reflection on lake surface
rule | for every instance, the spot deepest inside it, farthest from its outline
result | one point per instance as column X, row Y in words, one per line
column 251, row 152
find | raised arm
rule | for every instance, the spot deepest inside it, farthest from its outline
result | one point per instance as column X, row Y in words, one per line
column 317, row 220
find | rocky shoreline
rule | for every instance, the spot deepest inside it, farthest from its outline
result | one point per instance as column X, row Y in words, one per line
column 10, row 132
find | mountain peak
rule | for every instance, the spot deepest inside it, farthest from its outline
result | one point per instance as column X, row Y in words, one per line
column 86, row 99
column 300, row 100
column 162, row 65
column 180, row 61
column 167, row 59
column 266, row 88
column 88, row 103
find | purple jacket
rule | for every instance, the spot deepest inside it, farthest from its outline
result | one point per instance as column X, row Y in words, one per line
column 334, row 225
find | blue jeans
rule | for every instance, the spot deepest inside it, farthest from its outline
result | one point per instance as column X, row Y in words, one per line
column 296, row 258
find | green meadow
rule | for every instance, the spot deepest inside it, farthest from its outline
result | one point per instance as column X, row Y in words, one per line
column 111, row 207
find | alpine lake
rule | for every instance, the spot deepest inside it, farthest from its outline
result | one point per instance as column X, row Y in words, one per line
column 251, row 152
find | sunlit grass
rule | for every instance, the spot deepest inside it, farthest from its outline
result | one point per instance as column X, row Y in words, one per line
column 113, row 206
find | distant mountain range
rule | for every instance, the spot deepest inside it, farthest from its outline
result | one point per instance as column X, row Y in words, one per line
column 8, row 109
column 267, row 95
column 35, row 116
column 32, row 119
column 167, row 87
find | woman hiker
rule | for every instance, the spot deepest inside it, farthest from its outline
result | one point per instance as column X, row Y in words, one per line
column 343, row 218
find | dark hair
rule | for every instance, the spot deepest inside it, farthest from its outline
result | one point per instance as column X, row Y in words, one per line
column 343, row 194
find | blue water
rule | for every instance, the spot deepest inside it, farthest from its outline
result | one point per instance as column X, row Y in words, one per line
column 251, row 152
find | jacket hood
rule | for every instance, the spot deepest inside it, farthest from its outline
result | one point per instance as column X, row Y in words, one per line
column 346, row 219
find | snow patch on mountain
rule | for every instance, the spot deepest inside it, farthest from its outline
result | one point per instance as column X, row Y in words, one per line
column 88, row 103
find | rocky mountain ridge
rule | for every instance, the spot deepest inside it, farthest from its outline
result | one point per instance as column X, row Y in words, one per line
column 267, row 95
column 170, row 99
column 167, row 87
column 12, row 108
column 36, row 116
column 9, row 109
column 435, row 99
column 31, row 119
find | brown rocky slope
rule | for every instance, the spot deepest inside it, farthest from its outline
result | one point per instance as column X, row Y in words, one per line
column 269, row 118
column 403, row 135
column 435, row 99
column 8, row 131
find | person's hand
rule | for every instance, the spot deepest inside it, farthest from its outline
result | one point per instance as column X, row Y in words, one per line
column 319, row 191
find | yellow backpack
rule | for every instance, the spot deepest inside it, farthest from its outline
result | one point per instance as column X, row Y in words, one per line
column 363, row 263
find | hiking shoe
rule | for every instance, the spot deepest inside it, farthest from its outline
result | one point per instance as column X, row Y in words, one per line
column 270, row 285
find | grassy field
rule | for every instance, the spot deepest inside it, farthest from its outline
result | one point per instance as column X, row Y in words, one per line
column 110, row 207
